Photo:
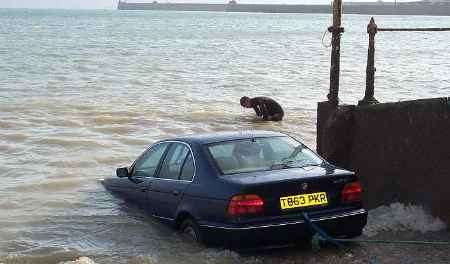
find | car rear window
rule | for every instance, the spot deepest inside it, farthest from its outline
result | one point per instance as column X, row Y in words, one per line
column 261, row 154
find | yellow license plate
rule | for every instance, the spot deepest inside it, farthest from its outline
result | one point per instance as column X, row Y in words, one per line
column 303, row 200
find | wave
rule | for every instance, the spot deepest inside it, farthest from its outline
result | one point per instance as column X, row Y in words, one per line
column 8, row 124
column 43, row 256
column 135, row 141
column 72, row 163
column 16, row 137
column 119, row 130
column 113, row 120
column 52, row 186
column 69, row 143
column 81, row 260
column 399, row 217
column 8, row 149
column 64, row 122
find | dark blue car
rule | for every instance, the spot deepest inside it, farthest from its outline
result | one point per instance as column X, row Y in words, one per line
column 242, row 187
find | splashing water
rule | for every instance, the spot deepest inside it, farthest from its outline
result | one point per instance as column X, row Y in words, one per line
column 398, row 217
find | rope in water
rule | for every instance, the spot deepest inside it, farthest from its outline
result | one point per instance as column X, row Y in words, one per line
column 338, row 242
column 415, row 242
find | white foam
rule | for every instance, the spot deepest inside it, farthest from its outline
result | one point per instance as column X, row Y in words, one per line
column 399, row 217
column 211, row 256
column 82, row 260
column 144, row 260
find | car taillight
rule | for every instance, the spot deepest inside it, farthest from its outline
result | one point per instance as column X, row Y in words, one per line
column 245, row 204
column 352, row 192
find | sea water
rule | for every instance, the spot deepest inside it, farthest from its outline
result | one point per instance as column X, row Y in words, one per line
column 84, row 92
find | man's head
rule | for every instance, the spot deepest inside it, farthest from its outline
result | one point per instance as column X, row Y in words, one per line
column 246, row 102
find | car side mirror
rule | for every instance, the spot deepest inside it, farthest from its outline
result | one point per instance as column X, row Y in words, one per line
column 122, row 172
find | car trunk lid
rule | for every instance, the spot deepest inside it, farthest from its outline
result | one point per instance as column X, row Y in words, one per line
column 296, row 190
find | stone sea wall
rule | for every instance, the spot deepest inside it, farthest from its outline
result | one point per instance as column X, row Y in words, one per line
column 401, row 151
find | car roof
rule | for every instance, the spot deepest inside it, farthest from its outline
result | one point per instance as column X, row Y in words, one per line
column 214, row 137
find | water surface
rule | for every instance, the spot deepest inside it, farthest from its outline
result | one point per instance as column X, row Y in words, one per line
column 84, row 92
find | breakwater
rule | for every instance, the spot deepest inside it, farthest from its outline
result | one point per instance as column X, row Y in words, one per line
column 409, row 8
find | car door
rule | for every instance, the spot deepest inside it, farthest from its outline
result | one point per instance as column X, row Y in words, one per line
column 143, row 172
column 176, row 173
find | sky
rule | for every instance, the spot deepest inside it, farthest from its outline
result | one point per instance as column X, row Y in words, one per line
column 110, row 4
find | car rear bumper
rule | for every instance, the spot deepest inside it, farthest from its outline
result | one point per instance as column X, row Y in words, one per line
column 346, row 224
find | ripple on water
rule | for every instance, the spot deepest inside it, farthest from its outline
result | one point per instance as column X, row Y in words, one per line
column 92, row 111
column 11, row 149
column 68, row 143
column 134, row 141
column 72, row 163
column 15, row 137
column 113, row 120
column 42, row 256
column 8, row 124
column 52, row 185
column 86, row 260
column 114, row 129
column 9, row 205
column 65, row 123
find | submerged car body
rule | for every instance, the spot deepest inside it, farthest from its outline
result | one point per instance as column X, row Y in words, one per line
column 242, row 187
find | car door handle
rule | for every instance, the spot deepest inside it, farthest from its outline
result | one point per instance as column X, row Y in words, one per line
column 176, row 193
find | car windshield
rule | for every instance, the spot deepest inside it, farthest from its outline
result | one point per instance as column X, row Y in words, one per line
column 262, row 154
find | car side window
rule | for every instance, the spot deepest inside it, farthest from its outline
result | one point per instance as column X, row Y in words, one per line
column 147, row 165
column 187, row 172
column 174, row 161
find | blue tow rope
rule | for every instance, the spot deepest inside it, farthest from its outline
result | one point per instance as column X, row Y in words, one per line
column 323, row 235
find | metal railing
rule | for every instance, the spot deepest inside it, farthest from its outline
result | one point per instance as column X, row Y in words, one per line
column 372, row 30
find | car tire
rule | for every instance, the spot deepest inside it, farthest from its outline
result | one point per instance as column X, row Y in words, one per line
column 190, row 229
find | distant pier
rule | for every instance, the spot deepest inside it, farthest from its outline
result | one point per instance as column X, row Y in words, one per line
column 435, row 8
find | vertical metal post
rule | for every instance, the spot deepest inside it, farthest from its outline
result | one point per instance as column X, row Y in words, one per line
column 336, row 30
column 369, row 98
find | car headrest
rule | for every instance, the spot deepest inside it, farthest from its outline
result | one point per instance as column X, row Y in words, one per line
column 246, row 148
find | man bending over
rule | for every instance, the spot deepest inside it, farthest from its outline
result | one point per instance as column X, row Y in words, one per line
column 264, row 107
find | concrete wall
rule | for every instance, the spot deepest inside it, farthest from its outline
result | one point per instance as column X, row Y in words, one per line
column 401, row 150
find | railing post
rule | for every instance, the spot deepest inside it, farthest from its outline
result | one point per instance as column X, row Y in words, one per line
column 369, row 98
column 336, row 30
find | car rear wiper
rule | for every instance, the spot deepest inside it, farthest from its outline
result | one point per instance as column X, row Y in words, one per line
column 291, row 164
